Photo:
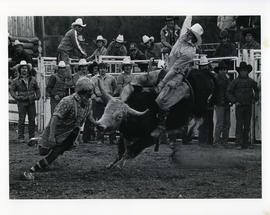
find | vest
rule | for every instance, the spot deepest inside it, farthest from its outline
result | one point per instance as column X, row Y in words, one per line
column 59, row 87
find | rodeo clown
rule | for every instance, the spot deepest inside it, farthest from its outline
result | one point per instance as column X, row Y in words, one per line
column 64, row 127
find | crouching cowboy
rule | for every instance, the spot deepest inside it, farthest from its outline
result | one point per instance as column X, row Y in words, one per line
column 63, row 129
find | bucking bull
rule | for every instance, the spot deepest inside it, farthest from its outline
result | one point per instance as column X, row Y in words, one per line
column 134, row 113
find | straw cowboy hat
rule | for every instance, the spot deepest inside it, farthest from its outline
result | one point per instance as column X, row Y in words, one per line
column 120, row 39
column 83, row 62
column 101, row 38
column 244, row 67
column 197, row 30
column 127, row 61
column 161, row 64
column 61, row 64
column 17, row 43
column 204, row 61
column 146, row 39
column 84, row 84
column 23, row 63
column 78, row 22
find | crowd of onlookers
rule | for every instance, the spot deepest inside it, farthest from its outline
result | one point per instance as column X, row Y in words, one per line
column 241, row 91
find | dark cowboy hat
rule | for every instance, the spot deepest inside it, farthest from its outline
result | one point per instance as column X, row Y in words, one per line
column 222, row 65
column 244, row 67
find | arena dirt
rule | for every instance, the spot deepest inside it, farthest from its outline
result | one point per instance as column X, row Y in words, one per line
column 197, row 172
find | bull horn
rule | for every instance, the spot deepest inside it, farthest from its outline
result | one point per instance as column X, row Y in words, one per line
column 135, row 112
column 105, row 95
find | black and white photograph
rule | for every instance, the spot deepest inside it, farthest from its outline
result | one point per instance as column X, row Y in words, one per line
column 163, row 106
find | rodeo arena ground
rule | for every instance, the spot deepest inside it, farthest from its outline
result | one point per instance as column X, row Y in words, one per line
column 99, row 110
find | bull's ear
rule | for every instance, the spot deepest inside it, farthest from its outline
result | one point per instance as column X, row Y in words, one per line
column 107, row 97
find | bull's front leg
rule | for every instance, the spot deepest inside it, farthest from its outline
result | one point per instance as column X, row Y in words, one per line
column 121, row 150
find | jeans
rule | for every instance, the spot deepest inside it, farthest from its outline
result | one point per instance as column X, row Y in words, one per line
column 30, row 110
column 243, row 118
column 223, row 123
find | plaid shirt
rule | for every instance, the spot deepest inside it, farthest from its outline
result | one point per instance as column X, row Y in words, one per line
column 71, row 114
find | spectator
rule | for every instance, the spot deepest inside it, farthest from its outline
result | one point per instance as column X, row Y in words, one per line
column 117, row 47
column 125, row 77
column 101, row 50
column 57, row 86
column 110, row 87
column 226, row 47
column 250, row 42
column 228, row 23
column 153, row 50
column 82, row 70
column 222, row 106
column 169, row 33
column 25, row 91
column 92, row 69
column 61, row 133
column 70, row 45
column 19, row 54
column 242, row 92
column 136, row 54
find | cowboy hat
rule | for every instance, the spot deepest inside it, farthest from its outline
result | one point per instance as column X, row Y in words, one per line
column 197, row 30
column 84, row 84
column 120, row 39
column 244, row 67
column 78, row 22
column 23, row 63
column 161, row 64
column 249, row 31
column 146, row 39
column 17, row 43
column 61, row 64
column 101, row 38
column 204, row 61
column 103, row 65
column 83, row 62
column 127, row 61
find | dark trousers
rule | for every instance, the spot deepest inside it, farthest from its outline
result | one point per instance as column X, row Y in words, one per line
column 52, row 154
column 243, row 117
column 30, row 110
column 206, row 128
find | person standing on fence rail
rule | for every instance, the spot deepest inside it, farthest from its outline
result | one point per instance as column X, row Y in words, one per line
column 63, row 129
column 243, row 92
column 25, row 90
column 70, row 42
column 56, row 88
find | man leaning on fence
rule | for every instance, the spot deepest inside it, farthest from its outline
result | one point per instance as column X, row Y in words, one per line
column 25, row 90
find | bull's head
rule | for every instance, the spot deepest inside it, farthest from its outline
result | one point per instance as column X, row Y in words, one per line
column 115, row 112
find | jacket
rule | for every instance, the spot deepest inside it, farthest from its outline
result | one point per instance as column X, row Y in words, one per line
column 243, row 91
column 222, row 84
column 167, row 37
column 25, row 94
column 70, row 42
column 112, row 50
column 56, row 86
